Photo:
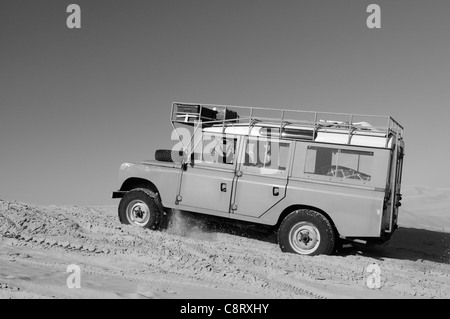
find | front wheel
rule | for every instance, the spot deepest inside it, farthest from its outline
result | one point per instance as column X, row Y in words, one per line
column 306, row 232
column 139, row 207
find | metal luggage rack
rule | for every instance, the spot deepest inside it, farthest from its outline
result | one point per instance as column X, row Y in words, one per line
column 286, row 123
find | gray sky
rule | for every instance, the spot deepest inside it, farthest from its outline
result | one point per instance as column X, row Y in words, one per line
column 75, row 104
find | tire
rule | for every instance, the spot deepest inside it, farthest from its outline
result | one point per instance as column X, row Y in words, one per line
column 169, row 156
column 140, row 207
column 306, row 232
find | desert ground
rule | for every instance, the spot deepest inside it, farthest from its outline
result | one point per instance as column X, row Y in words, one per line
column 192, row 259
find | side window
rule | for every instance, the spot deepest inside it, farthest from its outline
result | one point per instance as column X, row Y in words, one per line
column 339, row 163
column 216, row 149
column 266, row 153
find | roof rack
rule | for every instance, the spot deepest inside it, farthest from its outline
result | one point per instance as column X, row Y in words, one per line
column 286, row 124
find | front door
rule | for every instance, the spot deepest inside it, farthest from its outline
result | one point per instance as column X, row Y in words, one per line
column 207, row 184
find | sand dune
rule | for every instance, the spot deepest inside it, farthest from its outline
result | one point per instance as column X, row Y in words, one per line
column 426, row 208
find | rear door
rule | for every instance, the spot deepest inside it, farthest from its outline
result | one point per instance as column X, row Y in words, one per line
column 261, row 176
column 396, row 181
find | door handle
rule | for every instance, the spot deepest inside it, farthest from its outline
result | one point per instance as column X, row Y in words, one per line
column 239, row 174
column 223, row 187
column 276, row 191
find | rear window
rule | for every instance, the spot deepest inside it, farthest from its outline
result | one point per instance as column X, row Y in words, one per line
column 339, row 163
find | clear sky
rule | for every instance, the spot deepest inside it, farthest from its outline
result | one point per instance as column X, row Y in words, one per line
column 76, row 103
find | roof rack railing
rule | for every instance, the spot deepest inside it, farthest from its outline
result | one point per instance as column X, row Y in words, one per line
column 206, row 115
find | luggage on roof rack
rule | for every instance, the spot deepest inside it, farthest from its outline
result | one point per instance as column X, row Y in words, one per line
column 192, row 113
column 226, row 114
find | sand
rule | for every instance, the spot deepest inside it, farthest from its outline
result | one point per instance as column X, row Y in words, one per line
column 190, row 259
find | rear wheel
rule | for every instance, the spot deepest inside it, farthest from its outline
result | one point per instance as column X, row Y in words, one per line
column 306, row 232
column 140, row 207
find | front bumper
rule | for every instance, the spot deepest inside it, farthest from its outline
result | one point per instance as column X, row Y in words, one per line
column 118, row 194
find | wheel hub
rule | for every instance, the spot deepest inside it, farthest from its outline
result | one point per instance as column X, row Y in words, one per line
column 304, row 238
column 138, row 213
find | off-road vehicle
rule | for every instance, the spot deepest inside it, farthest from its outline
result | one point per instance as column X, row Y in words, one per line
column 316, row 177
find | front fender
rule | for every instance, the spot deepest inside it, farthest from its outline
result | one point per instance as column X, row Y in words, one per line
column 163, row 178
